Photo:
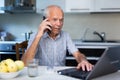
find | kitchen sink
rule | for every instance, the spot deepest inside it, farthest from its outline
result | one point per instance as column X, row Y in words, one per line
column 107, row 41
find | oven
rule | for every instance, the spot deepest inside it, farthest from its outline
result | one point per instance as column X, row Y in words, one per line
column 7, row 50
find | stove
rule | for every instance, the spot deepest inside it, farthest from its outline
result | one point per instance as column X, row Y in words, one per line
column 7, row 50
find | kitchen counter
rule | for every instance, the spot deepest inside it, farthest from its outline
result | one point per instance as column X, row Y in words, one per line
column 9, row 42
column 76, row 42
column 81, row 44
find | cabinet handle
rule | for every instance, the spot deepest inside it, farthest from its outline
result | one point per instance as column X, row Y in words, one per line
column 110, row 8
column 77, row 9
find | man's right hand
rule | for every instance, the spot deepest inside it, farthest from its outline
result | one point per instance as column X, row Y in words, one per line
column 43, row 27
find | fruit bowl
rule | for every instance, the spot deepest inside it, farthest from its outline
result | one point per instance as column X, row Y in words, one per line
column 9, row 75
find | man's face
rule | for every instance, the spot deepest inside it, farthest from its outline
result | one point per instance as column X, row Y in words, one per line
column 56, row 19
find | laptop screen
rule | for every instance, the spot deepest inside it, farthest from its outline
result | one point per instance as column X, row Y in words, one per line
column 108, row 63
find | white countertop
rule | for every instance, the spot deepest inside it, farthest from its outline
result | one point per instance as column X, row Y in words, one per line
column 45, row 75
column 9, row 42
column 76, row 42
column 80, row 44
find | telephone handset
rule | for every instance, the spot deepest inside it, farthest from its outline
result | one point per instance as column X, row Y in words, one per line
column 44, row 17
column 48, row 25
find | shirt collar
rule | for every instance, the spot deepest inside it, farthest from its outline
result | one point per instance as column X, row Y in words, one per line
column 45, row 35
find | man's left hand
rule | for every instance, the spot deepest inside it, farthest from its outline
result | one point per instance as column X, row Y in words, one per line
column 85, row 65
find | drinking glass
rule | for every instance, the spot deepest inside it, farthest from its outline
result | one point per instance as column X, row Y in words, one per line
column 32, row 67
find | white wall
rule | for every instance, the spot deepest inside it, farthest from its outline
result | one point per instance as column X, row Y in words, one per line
column 75, row 24
column 108, row 23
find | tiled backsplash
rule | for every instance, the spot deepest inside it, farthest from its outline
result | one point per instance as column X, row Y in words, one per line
column 74, row 23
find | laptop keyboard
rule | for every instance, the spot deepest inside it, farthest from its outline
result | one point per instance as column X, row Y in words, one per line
column 73, row 72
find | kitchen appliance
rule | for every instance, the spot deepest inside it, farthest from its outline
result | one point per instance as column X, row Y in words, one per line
column 19, row 6
column 7, row 50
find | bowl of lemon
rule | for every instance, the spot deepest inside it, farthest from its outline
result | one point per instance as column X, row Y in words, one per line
column 10, row 68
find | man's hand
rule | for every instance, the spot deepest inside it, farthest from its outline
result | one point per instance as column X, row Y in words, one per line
column 85, row 65
column 44, row 27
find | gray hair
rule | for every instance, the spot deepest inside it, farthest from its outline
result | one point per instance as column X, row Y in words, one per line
column 46, row 10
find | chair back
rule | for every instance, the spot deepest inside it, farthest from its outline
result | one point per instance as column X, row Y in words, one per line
column 20, row 48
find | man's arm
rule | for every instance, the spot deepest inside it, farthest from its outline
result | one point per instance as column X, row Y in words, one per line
column 82, row 61
column 79, row 56
column 31, row 51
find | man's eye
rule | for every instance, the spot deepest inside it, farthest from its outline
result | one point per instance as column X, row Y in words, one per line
column 54, row 19
column 61, row 20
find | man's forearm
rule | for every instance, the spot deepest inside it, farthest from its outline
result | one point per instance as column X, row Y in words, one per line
column 30, row 53
column 79, row 57
column 82, row 62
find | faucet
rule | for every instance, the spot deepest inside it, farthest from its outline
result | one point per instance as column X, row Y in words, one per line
column 84, row 34
column 102, row 35
column 27, row 35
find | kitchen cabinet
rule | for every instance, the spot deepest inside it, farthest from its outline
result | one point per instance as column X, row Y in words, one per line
column 1, row 5
column 92, row 6
column 79, row 6
column 42, row 4
column 92, row 55
column 107, row 5
column 66, row 5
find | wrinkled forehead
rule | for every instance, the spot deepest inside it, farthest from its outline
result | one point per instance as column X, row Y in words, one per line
column 55, row 11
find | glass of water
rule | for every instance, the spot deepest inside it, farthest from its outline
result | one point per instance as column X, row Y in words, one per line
column 33, row 67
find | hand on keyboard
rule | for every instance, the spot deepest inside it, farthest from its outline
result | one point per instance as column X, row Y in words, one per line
column 85, row 65
column 73, row 72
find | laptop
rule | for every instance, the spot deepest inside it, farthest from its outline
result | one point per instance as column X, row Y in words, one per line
column 108, row 63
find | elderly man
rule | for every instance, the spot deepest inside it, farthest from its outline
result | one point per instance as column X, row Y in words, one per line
column 52, row 42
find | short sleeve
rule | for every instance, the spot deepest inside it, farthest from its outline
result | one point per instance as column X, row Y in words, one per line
column 70, row 45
